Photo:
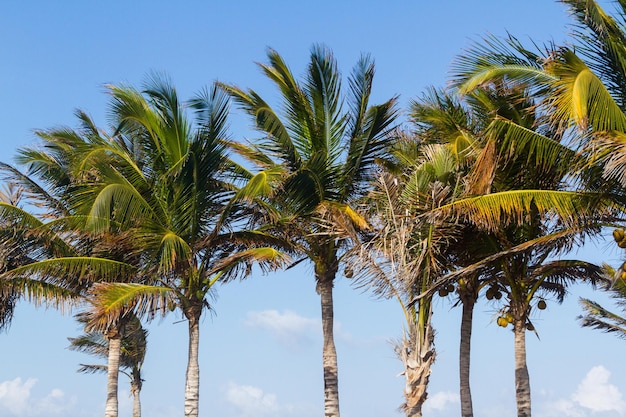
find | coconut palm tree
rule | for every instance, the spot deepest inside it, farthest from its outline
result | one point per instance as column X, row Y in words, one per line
column 63, row 253
column 169, row 180
column 536, row 132
column 320, row 152
column 132, row 353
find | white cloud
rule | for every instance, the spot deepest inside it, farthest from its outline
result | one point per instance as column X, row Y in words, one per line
column 251, row 401
column 595, row 395
column 288, row 327
column 296, row 331
column 16, row 399
column 440, row 401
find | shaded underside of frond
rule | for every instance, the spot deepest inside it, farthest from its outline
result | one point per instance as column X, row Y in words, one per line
column 598, row 317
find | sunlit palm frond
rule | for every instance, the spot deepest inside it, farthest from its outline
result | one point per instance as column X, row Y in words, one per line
column 581, row 97
column 73, row 273
column 114, row 300
column 601, row 39
column 267, row 121
column 492, row 211
column 499, row 59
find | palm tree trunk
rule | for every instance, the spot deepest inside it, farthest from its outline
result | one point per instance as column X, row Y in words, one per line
column 115, row 343
column 192, row 382
column 418, row 356
column 135, row 388
column 464, row 357
column 522, row 379
column 329, row 353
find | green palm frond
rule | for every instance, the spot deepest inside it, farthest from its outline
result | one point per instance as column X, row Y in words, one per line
column 554, row 276
column 267, row 258
column 598, row 317
column 557, row 241
column 609, row 153
column 37, row 292
column 115, row 300
column 71, row 273
column 601, row 39
column 38, row 195
column 173, row 250
column 496, row 59
column 267, row 121
column 580, row 95
column 541, row 151
column 493, row 211
column 260, row 185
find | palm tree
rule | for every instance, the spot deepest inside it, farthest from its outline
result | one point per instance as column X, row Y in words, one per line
column 10, row 195
column 321, row 154
column 170, row 182
column 132, row 353
column 407, row 252
column 491, row 66
column 63, row 253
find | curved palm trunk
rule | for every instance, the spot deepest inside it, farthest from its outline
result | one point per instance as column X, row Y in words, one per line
column 115, row 343
column 329, row 353
column 418, row 356
column 192, row 381
column 522, row 379
column 464, row 356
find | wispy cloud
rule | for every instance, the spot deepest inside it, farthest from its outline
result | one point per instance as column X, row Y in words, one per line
column 440, row 401
column 595, row 395
column 16, row 400
column 295, row 331
column 288, row 327
column 251, row 401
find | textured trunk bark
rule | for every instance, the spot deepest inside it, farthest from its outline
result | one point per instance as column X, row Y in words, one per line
column 115, row 343
column 418, row 357
column 522, row 379
column 192, row 382
column 464, row 357
column 329, row 354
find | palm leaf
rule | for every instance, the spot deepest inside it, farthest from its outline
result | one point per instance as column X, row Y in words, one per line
column 493, row 211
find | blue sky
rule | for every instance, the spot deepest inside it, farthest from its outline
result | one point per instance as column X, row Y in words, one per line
column 260, row 349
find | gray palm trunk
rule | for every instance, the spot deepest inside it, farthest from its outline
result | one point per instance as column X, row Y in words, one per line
column 192, row 381
column 135, row 388
column 329, row 353
column 465, row 356
column 136, row 405
column 522, row 379
column 115, row 343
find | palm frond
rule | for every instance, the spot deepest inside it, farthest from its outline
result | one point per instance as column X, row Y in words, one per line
column 492, row 211
column 580, row 96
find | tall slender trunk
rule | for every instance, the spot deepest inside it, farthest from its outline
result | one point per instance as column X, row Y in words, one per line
column 136, row 405
column 464, row 356
column 192, row 382
column 329, row 353
column 115, row 343
column 418, row 356
column 135, row 389
column 522, row 379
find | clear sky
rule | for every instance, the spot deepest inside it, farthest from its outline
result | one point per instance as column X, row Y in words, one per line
column 260, row 350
